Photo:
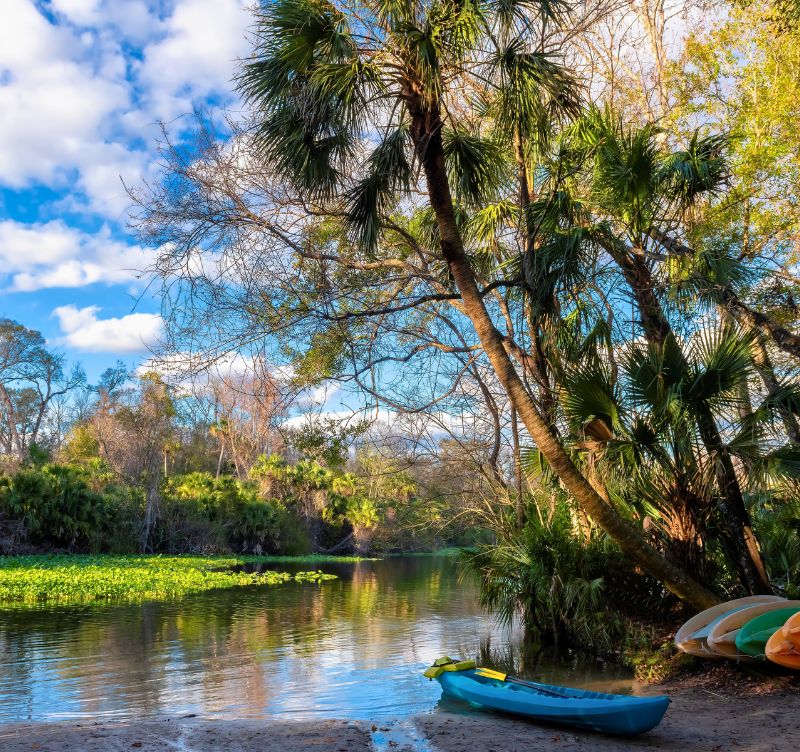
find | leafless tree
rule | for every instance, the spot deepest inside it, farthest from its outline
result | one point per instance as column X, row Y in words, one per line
column 32, row 377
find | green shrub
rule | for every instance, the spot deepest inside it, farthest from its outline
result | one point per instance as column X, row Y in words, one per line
column 293, row 539
column 203, row 513
column 255, row 527
column 54, row 504
column 565, row 584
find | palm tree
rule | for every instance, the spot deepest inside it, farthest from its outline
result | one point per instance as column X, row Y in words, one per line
column 623, row 195
column 642, row 436
column 329, row 81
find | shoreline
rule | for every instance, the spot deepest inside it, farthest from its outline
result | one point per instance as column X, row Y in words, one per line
column 703, row 717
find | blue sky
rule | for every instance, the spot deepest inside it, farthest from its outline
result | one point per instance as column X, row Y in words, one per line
column 83, row 86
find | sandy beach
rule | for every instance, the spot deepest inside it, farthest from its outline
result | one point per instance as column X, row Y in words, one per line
column 703, row 717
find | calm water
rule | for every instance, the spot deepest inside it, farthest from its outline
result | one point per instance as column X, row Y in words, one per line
column 349, row 648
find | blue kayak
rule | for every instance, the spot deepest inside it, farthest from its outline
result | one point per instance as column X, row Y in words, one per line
column 615, row 714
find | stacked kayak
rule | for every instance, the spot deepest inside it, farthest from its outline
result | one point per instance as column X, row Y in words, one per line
column 693, row 636
column 724, row 633
column 753, row 637
column 616, row 714
column 751, row 628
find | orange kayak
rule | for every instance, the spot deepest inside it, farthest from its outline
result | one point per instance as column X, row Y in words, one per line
column 791, row 630
column 782, row 651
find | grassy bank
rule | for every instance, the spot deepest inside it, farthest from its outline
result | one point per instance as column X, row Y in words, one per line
column 83, row 579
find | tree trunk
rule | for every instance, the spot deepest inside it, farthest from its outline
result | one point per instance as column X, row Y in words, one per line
column 220, row 458
column 520, row 507
column 735, row 525
column 151, row 504
column 767, row 373
column 783, row 338
column 745, row 406
column 426, row 128
column 538, row 360
column 637, row 274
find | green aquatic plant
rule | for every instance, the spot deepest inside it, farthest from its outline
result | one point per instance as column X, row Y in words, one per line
column 81, row 579
column 305, row 559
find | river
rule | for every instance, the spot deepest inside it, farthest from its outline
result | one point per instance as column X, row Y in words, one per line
column 350, row 648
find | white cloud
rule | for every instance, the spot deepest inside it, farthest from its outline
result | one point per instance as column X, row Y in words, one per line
column 432, row 424
column 53, row 103
column 196, row 56
column 82, row 12
column 342, row 417
column 134, row 333
column 52, row 254
column 81, row 91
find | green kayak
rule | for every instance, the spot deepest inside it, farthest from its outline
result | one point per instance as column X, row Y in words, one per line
column 753, row 636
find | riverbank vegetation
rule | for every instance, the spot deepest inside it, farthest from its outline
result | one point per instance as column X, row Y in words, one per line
column 559, row 283
column 145, row 466
column 85, row 579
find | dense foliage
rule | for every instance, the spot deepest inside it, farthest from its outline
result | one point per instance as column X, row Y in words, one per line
column 281, row 508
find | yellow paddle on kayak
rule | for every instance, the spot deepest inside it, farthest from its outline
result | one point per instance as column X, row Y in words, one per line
column 490, row 673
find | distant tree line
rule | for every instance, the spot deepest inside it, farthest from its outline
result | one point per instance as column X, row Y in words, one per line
column 132, row 463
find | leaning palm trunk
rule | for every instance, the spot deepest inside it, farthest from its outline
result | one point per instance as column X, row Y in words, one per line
column 785, row 340
column 311, row 79
column 782, row 337
column 426, row 134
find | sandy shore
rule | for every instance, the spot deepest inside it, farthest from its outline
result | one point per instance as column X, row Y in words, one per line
column 188, row 735
column 697, row 721
column 700, row 719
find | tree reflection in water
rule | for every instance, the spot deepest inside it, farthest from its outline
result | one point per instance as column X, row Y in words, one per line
column 348, row 648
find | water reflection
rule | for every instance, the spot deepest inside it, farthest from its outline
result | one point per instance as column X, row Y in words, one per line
column 352, row 647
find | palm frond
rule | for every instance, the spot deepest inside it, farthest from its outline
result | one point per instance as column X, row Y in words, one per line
column 555, row 211
column 589, row 396
column 723, row 359
column 700, row 169
column 424, row 227
column 311, row 158
column 388, row 174
column 455, row 26
column 307, row 85
column 476, row 166
column 626, row 175
column 509, row 14
column 533, row 92
column 559, row 263
column 395, row 13
column 488, row 223
column 784, row 461
column 533, row 463
column 786, row 396
column 656, row 375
